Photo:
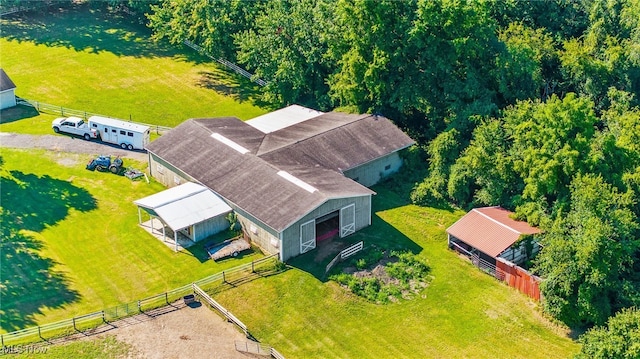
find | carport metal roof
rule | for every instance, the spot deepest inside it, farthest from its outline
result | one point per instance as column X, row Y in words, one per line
column 185, row 205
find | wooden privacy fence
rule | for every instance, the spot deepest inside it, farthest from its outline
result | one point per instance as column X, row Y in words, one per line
column 93, row 320
column 518, row 278
column 344, row 254
column 513, row 275
column 66, row 112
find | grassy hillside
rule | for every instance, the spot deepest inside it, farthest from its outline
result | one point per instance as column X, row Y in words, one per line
column 86, row 59
column 463, row 312
column 71, row 243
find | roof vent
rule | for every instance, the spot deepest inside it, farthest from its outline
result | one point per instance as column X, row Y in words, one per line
column 297, row 181
column 229, row 143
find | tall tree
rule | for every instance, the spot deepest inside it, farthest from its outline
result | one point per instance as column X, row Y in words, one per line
column 587, row 260
column 620, row 338
column 208, row 23
column 286, row 46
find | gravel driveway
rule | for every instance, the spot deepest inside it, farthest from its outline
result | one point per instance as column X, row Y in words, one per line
column 64, row 143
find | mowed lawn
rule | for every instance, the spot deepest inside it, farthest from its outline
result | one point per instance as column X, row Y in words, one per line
column 88, row 59
column 464, row 313
column 71, row 243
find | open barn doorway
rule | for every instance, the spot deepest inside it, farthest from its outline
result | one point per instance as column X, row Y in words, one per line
column 328, row 226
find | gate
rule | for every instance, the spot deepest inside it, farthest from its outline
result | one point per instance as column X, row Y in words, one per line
column 347, row 220
column 307, row 236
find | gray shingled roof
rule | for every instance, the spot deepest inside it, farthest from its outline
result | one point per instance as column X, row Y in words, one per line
column 359, row 139
column 251, row 181
column 5, row 81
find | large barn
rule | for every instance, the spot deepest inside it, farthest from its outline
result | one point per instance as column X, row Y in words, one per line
column 7, row 91
column 293, row 178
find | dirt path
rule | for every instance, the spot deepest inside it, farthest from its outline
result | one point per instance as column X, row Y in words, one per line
column 64, row 143
column 177, row 331
column 189, row 332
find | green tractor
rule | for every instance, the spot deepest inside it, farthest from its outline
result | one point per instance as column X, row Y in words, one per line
column 104, row 163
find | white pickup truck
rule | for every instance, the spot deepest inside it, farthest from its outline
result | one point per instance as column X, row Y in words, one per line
column 74, row 126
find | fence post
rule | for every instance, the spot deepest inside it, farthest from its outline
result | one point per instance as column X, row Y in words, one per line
column 103, row 318
column 74, row 323
column 61, row 111
column 166, row 297
column 252, row 268
column 139, row 307
column 2, row 340
column 39, row 333
column 224, row 280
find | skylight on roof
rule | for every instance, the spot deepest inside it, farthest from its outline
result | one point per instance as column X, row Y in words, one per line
column 297, row 181
column 229, row 143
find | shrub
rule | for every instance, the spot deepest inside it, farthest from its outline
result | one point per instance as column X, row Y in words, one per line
column 408, row 268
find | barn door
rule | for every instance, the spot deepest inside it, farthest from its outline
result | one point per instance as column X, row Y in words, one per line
column 307, row 236
column 347, row 220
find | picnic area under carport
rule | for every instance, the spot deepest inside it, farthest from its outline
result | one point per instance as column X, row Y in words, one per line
column 183, row 215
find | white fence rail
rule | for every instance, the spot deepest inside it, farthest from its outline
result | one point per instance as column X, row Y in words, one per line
column 91, row 320
column 237, row 69
column 230, row 317
column 63, row 111
column 344, row 254
column 14, row 9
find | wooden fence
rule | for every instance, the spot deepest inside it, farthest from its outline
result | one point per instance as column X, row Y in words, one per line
column 519, row 278
column 257, row 348
column 237, row 69
column 344, row 254
column 66, row 112
column 513, row 275
column 215, row 305
column 19, row 8
column 93, row 320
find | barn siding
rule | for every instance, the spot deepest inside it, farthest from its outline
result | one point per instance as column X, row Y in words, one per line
column 259, row 234
column 165, row 173
column 7, row 99
column 370, row 173
column 291, row 235
column 210, row 227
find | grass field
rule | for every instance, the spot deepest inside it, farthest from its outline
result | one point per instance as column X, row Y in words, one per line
column 464, row 313
column 71, row 243
column 86, row 59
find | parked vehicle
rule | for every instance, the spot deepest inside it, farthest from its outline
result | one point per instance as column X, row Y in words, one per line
column 74, row 126
column 104, row 163
column 127, row 135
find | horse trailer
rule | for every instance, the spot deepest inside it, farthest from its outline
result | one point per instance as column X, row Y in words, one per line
column 127, row 135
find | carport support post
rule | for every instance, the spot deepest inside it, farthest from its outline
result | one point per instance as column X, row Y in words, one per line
column 175, row 241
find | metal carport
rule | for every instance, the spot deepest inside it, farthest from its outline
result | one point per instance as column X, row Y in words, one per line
column 181, row 207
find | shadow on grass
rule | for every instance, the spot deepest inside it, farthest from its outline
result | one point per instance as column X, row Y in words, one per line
column 29, row 281
column 17, row 113
column 240, row 89
column 88, row 26
column 380, row 233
